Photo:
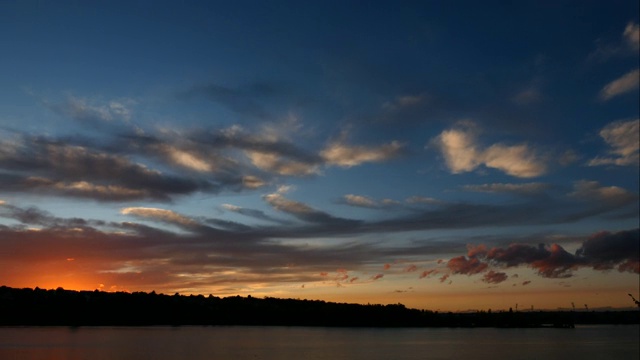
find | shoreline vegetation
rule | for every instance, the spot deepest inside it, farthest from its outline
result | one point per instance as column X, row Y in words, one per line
column 60, row 307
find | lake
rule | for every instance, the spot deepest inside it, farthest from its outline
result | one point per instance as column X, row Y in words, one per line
column 240, row 343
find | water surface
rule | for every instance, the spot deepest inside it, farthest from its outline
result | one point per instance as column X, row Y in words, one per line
column 241, row 343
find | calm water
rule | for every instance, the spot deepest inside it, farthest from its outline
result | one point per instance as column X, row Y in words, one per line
column 239, row 343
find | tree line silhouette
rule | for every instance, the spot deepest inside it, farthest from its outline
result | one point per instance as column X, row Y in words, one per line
column 60, row 307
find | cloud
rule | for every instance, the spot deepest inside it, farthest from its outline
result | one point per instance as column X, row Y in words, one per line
column 252, row 182
column 94, row 112
column 624, row 84
column 377, row 276
column 280, row 165
column 360, row 201
column 186, row 159
column 466, row 265
column 406, row 101
column 423, row 200
column 462, row 154
column 410, row 268
column 518, row 160
column 303, row 211
column 523, row 189
column 627, row 46
column 257, row 214
column 459, row 150
column 527, row 96
column 218, row 252
column 632, row 35
column 88, row 190
column 51, row 166
column 601, row 251
column 428, row 273
column 624, row 139
column 605, row 250
column 343, row 155
column 159, row 214
column 592, row 191
column 493, row 277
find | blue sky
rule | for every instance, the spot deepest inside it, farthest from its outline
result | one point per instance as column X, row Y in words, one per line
column 416, row 152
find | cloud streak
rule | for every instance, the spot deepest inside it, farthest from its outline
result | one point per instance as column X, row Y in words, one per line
column 622, row 85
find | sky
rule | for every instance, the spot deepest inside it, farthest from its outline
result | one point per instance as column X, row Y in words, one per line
column 446, row 155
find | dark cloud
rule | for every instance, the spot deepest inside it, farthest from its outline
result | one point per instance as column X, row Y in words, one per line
column 605, row 250
column 257, row 214
column 46, row 165
column 134, row 254
column 428, row 273
column 465, row 265
column 601, row 251
column 493, row 277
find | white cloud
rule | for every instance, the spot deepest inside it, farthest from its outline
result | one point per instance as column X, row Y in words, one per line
column 281, row 203
column 340, row 154
column 459, row 150
column 252, row 182
column 621, row 85
column 463, row 154
column 231, row 207
column 158, row 214
column 84, row 187
column 187, row 159
column 359, row 200
column 624, row 139
column 518, row 160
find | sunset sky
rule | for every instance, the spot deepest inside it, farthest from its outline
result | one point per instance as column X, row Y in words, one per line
column 446, row 155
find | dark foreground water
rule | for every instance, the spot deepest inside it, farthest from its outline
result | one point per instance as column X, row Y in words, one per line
column 240, row 343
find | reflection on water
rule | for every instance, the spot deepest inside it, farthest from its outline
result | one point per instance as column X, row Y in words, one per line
column 158, row 343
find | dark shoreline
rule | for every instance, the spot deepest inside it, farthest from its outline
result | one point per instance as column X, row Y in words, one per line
column 38, row 307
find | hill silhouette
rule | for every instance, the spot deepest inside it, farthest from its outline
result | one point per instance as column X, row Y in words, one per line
column 60, row 307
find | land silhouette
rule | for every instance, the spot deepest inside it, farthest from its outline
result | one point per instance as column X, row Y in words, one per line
column 60, row 307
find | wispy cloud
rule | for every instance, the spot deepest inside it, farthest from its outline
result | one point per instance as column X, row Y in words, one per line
column 624, row 84
column 632, row 35
column 627, row 45
column 524, row 189
column 624, row 139
column 301, row 210
column 360, row 201
column 159, row 214
column 527, row 96
column 344, row 155
column 406, row 101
